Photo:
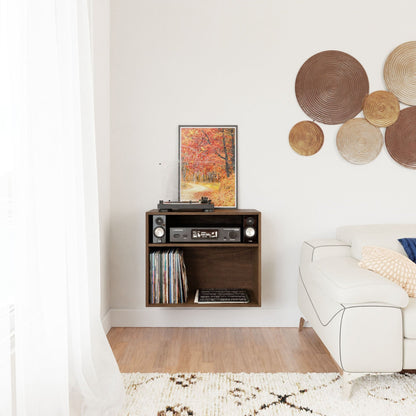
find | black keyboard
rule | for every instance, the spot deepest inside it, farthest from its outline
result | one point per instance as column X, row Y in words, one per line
column 221, row 296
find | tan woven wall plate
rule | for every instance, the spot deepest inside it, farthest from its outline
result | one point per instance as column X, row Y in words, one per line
column 358, row 141
column 330, row 87
column 401, row 138
column 400, row 72
column 381, row 108
column 306, row 138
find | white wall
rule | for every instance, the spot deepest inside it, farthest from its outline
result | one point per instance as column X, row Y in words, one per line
column 235, row 62
column 100, row 23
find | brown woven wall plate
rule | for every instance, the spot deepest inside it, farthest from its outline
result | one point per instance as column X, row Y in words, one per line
column 400, row 72
column 381, row 108
column 330, row 87
column 358, row 141
column 306, row 138
column 401, row 138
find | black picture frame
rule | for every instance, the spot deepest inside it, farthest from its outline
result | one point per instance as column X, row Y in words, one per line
column 208, row 164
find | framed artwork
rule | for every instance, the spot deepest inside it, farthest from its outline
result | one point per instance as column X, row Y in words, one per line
column 208, row 164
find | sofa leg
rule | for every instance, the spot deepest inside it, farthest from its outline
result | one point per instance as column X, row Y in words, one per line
column 348, row 382
column 301, row 323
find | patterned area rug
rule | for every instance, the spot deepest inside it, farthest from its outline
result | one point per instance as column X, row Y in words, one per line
column 265, row 394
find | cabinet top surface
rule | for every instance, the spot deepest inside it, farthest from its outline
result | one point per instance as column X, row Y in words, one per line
column 217, row 211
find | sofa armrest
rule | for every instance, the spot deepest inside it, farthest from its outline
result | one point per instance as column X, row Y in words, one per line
column 314, row 250
column 347, row 283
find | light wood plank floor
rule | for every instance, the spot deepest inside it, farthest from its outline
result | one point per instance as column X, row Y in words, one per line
column 219, row 350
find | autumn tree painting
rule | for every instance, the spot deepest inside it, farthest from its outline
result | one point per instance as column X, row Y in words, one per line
column 208, row 164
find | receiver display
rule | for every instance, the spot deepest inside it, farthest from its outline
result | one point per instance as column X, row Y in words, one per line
column 204, row 234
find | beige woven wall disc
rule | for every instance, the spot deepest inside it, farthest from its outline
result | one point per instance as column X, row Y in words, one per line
column 358, row 141
column 400, row 72
column 381, row 108
column 306, row 138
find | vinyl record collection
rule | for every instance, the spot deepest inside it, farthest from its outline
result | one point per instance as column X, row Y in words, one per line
column 168, row 282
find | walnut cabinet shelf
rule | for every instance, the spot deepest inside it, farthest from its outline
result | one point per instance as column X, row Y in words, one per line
column 219, row 265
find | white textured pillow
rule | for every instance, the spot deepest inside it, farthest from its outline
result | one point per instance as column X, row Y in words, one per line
column 391, row 265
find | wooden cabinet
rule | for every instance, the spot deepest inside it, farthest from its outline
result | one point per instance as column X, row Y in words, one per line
column 211, row 263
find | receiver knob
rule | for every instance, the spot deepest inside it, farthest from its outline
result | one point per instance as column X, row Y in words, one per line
column 232, row 235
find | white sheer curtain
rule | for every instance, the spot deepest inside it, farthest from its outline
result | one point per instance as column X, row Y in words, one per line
column 54, row 356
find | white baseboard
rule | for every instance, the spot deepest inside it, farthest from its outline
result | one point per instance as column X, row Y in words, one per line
column 201, row 317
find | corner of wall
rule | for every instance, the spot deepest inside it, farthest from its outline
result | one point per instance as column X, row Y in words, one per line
column 100, row 33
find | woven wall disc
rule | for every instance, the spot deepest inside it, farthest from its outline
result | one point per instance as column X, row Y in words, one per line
column 381, row 108
column 358, row 141
column 330, row 87
column 400, row 72
column 401, row 138
column 306, row 138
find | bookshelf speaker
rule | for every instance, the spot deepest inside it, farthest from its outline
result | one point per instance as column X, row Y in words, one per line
column 249, row 229
column 159, row 229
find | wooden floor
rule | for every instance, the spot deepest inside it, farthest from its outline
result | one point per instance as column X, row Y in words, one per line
column 219, row 350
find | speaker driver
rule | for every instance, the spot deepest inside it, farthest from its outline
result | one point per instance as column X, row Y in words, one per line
column 250, row 232
column 159, row 232
column 250, row 221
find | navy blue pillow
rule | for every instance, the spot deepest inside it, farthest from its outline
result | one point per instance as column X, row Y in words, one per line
column 409, row 245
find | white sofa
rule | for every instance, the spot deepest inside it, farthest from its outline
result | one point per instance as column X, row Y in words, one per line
column 367, row 322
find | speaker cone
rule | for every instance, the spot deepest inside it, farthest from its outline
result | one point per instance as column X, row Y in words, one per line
column 250, row 232
column 159, row 232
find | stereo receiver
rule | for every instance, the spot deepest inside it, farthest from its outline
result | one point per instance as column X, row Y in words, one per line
column 205, row 234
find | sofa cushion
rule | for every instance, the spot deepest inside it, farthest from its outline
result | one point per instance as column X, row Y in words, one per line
column 409, row 245
column 344, row 281
column 381, row 235
column 391, row 265
column 409, row 319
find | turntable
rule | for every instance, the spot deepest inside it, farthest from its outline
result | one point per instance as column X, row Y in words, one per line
column 204, row 204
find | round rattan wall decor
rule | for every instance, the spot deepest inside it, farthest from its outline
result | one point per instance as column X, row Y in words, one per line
column 400, row 72
column 330, row 87
column 306, row 138
column 381, row 108
column 358, row 141
column 401, row 138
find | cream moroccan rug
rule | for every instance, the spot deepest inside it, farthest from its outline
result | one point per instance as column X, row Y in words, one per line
column 265, row 394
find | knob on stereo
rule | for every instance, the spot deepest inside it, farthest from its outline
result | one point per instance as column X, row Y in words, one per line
column 233, row 235
column 159, row 229
column 250, row 229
